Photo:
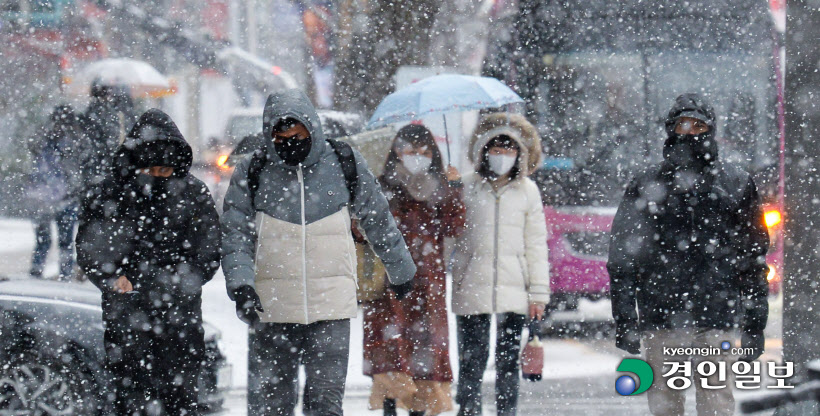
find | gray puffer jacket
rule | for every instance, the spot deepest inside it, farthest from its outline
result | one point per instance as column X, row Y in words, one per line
column 295, row 247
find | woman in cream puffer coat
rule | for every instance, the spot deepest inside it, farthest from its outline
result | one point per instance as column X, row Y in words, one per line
column 500, row 262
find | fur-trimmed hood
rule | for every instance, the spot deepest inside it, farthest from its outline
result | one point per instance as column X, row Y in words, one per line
column 517, row 128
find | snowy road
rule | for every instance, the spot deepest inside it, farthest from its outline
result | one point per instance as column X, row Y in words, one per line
column 579, row 373
column 565, row 360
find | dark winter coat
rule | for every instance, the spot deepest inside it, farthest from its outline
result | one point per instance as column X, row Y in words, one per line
column 60, row 155
column 109, row 115
column 166, row 242
column 689, row 256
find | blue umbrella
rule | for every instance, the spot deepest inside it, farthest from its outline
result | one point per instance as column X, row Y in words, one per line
column 442, row 94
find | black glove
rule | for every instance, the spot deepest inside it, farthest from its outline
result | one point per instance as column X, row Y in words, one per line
column 754, row 340
column 247, row 304
column 627, row 339
column 402, row 290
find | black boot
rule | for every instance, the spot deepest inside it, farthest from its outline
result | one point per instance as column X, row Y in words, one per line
column 421, row 413
column 389, row 407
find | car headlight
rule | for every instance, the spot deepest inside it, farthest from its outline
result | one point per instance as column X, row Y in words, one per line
column 222, row 162
column 772, row 218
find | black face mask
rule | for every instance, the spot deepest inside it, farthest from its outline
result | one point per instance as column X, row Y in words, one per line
column 149, row 185
column 691, row 151
column 293, row 151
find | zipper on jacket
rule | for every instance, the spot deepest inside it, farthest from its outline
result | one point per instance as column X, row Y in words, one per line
column 495, row 251
column 693, row 236
column 304, row 240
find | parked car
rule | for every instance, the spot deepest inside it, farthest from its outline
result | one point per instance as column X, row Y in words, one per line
column 51, row 350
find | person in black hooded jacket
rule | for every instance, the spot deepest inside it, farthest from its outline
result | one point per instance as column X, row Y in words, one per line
column 688, row 247
column 149, row 239
column 108, row 118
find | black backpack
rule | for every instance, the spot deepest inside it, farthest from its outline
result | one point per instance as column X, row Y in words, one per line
column 343, row 151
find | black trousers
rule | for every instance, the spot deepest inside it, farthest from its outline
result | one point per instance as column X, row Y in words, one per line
column 473, row 353
column 154, row 360
column 275, row 351
column 65, row 219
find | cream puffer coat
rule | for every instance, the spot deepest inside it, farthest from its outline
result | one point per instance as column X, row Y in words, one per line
column 500, row 263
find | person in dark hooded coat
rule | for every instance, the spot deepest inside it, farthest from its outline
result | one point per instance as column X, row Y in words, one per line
column 149, row 239
column 108, row 118
column 688, row 247
column 60, row 156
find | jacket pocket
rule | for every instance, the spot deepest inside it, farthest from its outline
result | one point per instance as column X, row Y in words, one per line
column 461, row 280
column 461, row 265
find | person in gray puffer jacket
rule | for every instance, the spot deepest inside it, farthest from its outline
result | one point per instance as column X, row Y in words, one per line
column 290, row 262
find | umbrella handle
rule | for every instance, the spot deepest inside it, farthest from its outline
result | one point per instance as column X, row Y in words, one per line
column 447, row 139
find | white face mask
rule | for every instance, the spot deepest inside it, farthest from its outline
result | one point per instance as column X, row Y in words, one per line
column 416, row 163
column 501, row 164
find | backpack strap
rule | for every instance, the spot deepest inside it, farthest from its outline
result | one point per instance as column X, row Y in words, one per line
column 343, row 151
column 348, row 161
column 258, row 160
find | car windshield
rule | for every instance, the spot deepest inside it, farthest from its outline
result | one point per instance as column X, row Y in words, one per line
column 241, row 126
column 601, row 116
column 334, row 125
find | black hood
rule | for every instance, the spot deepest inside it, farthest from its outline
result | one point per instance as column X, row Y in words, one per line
column 154, row 141
column 690, row 105
column 703, row 147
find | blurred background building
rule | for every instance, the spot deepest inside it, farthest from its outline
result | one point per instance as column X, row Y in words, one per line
column 224, row 55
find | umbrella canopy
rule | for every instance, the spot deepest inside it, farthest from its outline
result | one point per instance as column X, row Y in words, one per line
column 142, row 78
column 442, row 94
